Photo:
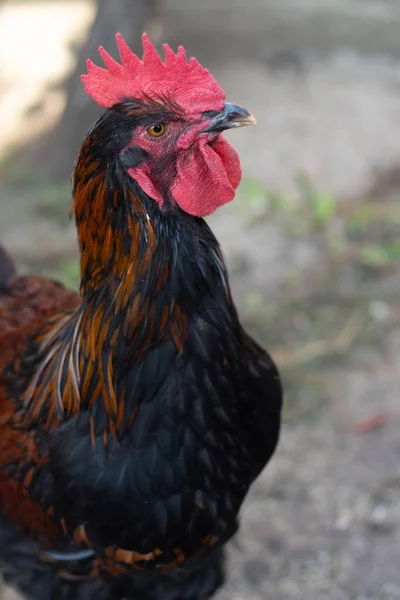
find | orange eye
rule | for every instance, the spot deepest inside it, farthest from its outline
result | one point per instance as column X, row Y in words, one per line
column 157, row 130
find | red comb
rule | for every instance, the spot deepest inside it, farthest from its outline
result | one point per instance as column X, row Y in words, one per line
column 185, row 82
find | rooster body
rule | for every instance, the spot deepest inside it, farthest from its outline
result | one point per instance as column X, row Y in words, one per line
column 133, row 418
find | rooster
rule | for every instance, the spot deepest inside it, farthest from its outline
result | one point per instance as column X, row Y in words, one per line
column 134, row 416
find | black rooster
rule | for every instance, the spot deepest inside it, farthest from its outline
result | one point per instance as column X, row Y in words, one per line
column 135, row 417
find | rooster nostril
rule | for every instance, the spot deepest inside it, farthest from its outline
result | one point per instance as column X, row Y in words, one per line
column 210, row 114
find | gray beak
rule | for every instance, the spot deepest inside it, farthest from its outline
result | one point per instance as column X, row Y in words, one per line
column 231, row 116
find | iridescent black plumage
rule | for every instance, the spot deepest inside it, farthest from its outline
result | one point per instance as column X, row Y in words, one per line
column 152, row 410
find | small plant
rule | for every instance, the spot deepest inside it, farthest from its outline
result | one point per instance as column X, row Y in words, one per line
column 322, row 207
column 380, row 255
column 69, row 274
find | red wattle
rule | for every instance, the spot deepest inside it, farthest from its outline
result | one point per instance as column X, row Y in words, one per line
column 207, row 177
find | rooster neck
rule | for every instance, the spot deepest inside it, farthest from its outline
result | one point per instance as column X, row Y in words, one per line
column 140, row 265
column 144, row 274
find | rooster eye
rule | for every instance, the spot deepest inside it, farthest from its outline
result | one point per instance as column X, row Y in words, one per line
column 157, row 130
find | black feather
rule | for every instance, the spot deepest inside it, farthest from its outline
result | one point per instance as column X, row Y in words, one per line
column 200, row 400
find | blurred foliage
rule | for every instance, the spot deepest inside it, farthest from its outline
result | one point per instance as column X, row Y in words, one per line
column 69, row 274
column 364, row 231
column 337, row 311
column 53, row 201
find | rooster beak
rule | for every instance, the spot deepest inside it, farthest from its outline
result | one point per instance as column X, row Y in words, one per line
column 230, row 116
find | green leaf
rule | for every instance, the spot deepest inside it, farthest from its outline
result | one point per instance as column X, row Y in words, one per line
column 69, row 274
column 382, row 255
column 324, row 209
column 322, row 205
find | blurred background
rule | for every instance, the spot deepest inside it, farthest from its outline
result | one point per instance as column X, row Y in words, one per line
column 312, row 241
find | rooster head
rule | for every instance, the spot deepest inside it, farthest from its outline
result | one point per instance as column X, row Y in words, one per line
column 164, row 123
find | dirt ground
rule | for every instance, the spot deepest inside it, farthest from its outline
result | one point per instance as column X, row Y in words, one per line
column 317, row 280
